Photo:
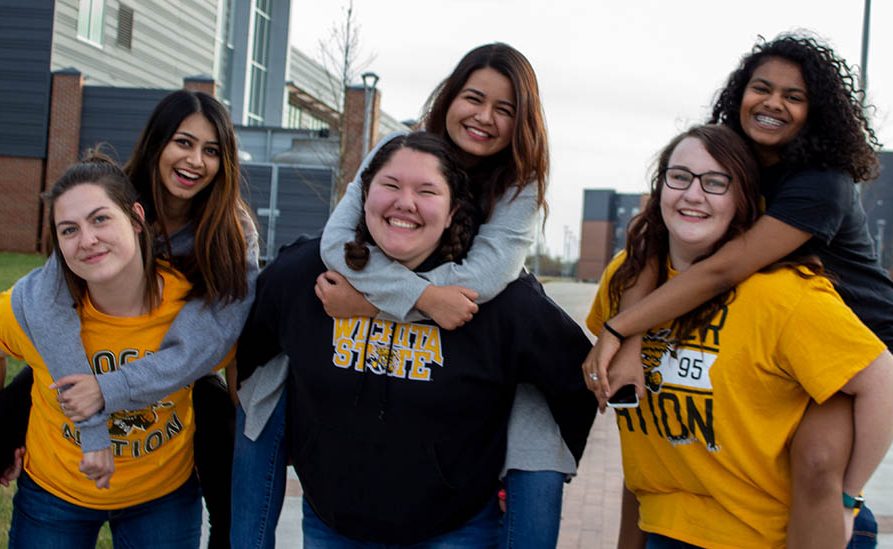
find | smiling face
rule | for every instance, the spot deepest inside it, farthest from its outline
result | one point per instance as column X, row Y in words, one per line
column 481, row 118
column 408, row 206
column 97, row 239
column 774, row 107
column 695, row 220
column 190, row 160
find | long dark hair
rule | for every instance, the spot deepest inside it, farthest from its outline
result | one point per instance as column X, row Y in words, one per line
column 455, row 241
column 526, row 161
column 837, row 134
column 648, row 238
column 216, row 268
column 98, row 169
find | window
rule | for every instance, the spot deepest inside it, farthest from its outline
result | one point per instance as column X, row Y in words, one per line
column 90, row 18
column 260, row 58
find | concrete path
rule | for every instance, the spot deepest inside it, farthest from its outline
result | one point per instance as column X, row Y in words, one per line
column 591, row 511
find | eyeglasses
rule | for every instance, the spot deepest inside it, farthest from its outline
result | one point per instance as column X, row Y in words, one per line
column 711, row 182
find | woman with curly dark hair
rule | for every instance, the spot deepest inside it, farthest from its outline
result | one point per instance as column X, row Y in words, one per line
column 797, row 104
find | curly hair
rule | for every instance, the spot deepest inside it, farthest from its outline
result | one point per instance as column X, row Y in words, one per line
column 526, row 161
column 648, row 238
column 837, row 134
column 456, row 239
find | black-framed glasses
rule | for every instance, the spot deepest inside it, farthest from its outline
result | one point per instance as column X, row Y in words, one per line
column 711, row 182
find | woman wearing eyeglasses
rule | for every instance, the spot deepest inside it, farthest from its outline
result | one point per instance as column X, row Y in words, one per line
column 706, row 454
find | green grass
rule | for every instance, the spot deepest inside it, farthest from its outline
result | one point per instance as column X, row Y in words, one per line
column 12, row 267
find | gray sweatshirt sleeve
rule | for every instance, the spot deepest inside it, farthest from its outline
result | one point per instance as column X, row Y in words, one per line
column 389, row 286
column 199, row 338
column 494, row 260
column 45, row 310
column 498, row 250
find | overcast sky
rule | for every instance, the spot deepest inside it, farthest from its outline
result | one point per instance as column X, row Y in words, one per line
column 618, row 79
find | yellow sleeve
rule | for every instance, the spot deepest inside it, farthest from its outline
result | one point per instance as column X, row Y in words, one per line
column 12, row 338
column 824, row 344
column 601, row 309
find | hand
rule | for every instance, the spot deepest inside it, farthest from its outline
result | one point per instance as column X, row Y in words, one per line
column 625, row 368
column 15, row 469
column 340, row 299
column 79, row 396
column 98, row 466
column 449, row 306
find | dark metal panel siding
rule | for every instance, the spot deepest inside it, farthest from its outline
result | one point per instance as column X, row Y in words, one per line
column 116, row 116
column 302, row 201
column 26, row 38
column 598, row 205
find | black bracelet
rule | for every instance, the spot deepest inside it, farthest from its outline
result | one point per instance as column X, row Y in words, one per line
column 614, row 332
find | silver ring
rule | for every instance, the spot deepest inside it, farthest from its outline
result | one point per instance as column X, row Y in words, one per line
column 593, row 376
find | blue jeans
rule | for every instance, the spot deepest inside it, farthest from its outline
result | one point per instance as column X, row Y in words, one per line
column 41, row 520
column 481, row 532
column 532, row 509
column 258, row 482
column 864, row 530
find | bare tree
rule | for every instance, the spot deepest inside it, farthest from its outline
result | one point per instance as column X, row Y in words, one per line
column 341, row 54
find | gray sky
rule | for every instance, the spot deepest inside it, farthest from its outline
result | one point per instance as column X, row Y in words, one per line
column 618, row 79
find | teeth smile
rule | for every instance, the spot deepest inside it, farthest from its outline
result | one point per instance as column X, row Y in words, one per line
column 692, row 213
column 186, row 175
column 477, row 132
column 401, row 223
column 768, row 120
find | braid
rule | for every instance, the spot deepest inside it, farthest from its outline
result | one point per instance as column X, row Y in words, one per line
column 356, row 253
column 457, row 238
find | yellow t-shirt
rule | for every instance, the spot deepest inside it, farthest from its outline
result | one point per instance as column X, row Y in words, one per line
column 706, row 452
column 152, row 446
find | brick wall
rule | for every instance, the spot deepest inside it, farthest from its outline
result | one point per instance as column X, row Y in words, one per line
column 20, row 185
column 352, row 152
column 595, row 249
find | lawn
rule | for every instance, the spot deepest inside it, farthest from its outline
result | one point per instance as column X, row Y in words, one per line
column 12, row 267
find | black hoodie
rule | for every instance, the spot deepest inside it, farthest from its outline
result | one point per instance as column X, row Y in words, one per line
column 406, row 456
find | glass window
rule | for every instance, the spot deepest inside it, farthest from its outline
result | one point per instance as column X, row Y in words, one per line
column 90, row 18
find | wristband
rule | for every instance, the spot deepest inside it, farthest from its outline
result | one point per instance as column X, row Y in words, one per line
column 850, row 502
column 614, row 332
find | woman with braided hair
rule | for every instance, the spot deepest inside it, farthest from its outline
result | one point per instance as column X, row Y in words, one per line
column 398, row 430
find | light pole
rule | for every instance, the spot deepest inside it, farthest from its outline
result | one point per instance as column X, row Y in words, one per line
column 866, row 28
column 370, row 80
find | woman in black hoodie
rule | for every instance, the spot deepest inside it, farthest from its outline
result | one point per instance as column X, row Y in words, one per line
column 398, row 430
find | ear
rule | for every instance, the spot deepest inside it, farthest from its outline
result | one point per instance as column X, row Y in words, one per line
column 449, row 220
column 141, row 213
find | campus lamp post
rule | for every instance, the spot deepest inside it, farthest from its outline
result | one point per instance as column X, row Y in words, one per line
column 370, row 80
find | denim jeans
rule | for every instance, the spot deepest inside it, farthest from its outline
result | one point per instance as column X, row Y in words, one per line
column 864, row 530
column 258, row 482
column 41, row 520
column 481, row 532
column 533, row 509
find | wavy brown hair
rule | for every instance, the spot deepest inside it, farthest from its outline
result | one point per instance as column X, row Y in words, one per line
column 456, row 239
column 216, row 268
column 837, row 134
column 648, row 238
column 523, row 163
column 99, row 169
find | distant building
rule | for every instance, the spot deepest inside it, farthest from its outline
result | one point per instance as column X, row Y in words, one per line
column 606, row 214
column 77, row 72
